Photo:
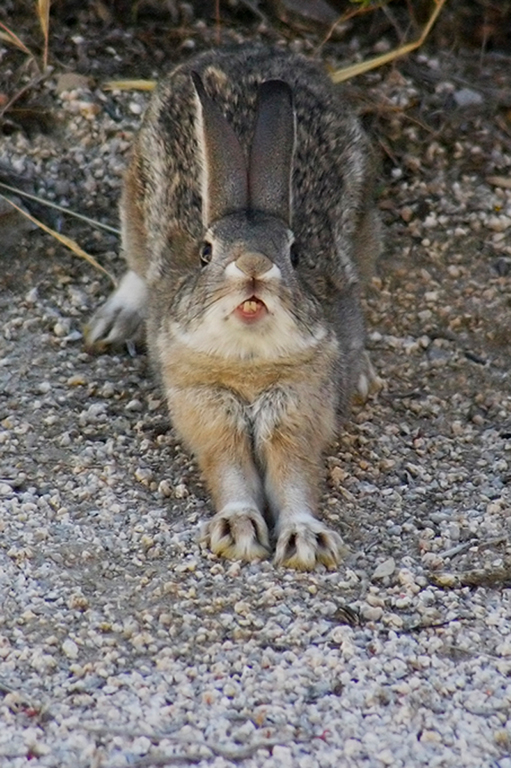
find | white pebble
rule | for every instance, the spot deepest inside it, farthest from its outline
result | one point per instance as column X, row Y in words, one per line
column 70, row 648
column 385, row 569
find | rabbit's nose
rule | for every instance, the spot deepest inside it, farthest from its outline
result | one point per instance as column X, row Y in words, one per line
column 254, row 264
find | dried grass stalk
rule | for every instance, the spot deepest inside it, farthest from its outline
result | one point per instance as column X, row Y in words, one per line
column 10, row 37
column 43, row 13
column 67, row 211
column 67, row 241
column 378, row 61
column 129, row 85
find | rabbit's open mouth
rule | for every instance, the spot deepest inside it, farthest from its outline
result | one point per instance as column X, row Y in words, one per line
column 251, row 310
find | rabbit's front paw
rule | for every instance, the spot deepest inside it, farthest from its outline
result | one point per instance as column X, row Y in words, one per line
column 306, row 543
column 121, row 318
column 238, row 533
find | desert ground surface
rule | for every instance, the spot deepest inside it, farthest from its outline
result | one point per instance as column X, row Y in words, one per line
column 122, row 641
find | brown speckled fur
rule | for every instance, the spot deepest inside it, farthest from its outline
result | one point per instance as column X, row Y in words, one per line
column 257, row 426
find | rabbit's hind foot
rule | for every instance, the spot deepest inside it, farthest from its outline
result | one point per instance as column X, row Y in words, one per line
column 237, row 532
column 368, row 382
column 306, row 543
column 121, row 318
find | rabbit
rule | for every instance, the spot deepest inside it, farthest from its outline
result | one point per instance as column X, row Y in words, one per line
column 247, row 221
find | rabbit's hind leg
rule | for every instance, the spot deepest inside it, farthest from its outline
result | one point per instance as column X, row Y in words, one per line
column 121, row 318
column 368, row 382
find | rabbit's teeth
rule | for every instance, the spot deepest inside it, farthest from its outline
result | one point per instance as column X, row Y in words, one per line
column 251, row 309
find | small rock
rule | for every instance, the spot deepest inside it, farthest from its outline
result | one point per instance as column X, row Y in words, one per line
column 165, row 488
column 385, row 569
column 61, row 328
column 466, row 97
column 446, row 580
column 134, row 405
column 70, row 648
column 71, row 81
column 141, row 745
column 282, row 755
column 77, row 380
column 181, row 491
column 371, row 613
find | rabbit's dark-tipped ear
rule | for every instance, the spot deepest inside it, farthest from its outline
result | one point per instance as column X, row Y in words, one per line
column 271, row 154
column 224, row 182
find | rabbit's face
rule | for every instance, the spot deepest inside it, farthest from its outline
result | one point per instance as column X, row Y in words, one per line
column 251, row 302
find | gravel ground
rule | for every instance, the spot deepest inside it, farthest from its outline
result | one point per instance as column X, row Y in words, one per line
column 122, row 643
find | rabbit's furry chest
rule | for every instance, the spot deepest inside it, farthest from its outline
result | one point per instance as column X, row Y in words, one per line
column 249, row 379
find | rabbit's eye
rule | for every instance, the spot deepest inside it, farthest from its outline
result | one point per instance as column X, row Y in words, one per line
column 206, row 252
column 294, row 256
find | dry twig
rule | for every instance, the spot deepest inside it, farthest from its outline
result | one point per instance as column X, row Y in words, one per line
column 129, row 85
column 9, row 36
column 228, row 753
column 60, row 208
column 67, row 241
column 346, row 73
column 43, row 13
column 343, row 18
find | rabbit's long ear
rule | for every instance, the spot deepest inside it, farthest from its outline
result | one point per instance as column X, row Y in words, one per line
column 224, row 173
column 271, row 154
